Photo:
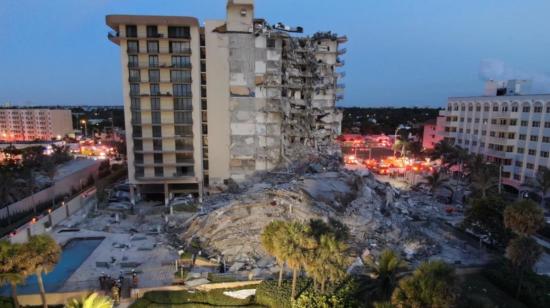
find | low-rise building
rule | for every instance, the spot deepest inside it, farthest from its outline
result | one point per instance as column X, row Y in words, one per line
column 432, row 132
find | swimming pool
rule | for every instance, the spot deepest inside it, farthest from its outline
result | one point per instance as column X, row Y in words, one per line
column 74, row 253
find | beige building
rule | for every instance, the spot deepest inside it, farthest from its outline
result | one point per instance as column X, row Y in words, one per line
column 219, row 102
column 30, row 124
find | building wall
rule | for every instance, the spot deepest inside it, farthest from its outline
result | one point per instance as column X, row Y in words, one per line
column 217, row 74
column 511, row 130
column 432, row 133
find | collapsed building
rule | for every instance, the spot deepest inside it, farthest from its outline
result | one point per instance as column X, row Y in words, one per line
column 224, row 100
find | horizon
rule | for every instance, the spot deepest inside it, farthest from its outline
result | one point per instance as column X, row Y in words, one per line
column 399, row 54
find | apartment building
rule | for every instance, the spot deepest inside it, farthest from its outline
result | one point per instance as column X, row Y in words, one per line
column 219, row 102
column 432, row 132
column 512, row 130
column 30, row 124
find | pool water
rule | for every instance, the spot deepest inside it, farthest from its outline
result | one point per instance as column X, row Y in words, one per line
column 74, row 253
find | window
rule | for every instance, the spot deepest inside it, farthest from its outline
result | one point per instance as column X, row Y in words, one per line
column 530, row 166
column 131, row 31
column 517, row 177
column 180, row 47
column 509, row 148
column 461, row 130
column 157, row 144
column 184, row 144
column 178, row 32
column 519, row 163
column 155, row 103
column 134, row 75
column 181, row 61
column 133, row 46
column 514, row 108
column 152, row 46
column 534, row 138
column 544, row 153
column 535, row 124
column 476, row 131
column 139, row 172
column 546, row 139
column 531, row 152
column 467, row 132
column 501, row 134
column 495, row 108
column 153, row 61
column 461, row 119
column 492, row 134
column 502, row 121
column 537, row 109
column 511, row 135
column 493, row 121
column 138, row 145
column 155, row 89
column 157, row 158
column 270, row 43
column 513, row 122
column 486, row 108
column 505, row 108
column 136, row 117
column 133, row 61
column 159, row 172
column 135, row 103
column 182, row 90
column 483, row 133
column 470, row 108
column 526, row 109
column 152, row 31
column 180, row 76
column 485, row 121
column 476, row 120
column 546, row 124
column 136, row 131
column 521, row 150
column 155, row 117
column 134, row 89
column 523, row 123
column 522, row 136
column 154, row 76
column 184, row 158
column 183, row 130
column 157, row 131
column 181, row 103
column 138, row 158
column 182, row 117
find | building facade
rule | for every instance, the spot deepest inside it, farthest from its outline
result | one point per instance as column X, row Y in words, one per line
column 510, row 130
column 432, row 132
column 30, row 124
column 219, row 102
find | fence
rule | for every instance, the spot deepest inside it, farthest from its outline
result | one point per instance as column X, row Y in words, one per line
column 54, row 217
column 63, row 185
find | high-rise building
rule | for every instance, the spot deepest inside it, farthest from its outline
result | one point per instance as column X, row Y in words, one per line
column 30, row 124
column 508, row 128
column 219, row 102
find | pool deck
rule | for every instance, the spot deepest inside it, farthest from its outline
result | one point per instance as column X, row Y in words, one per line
column 151, row 251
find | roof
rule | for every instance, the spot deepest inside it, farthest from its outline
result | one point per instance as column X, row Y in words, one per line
column 114, row 21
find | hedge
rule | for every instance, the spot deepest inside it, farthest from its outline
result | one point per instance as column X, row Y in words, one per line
column 270, row 295
column 195, row 299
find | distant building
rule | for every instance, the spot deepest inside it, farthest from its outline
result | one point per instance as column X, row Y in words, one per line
column 208, row 104
column 432, row 133
column 507, row 127
column 29, row 124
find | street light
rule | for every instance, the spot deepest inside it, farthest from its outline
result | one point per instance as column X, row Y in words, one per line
column 85, row 127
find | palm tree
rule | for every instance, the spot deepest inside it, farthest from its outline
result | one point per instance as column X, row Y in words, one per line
column 10, row 270
column 523, row 252
column 475, row 162
column 385, row 271
column 402, row 143
column 272, row 239
column 432, row 284
column 93, row 300
column 436, row 180
column 297, row 243
column 443, row 150
column 541, row 183
column 484, row 178
column 524, row 217
column 330, row 260
column 42, row 252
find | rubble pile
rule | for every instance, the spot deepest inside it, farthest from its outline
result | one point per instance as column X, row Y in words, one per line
column 378, row 215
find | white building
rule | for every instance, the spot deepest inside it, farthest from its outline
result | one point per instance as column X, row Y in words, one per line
column 512, row 130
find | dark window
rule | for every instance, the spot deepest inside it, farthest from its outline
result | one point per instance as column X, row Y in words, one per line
column 134, row 75
column 138, row 145
column 136, row 131
column 185, row 130
column 131, row 31
column 138, row 158
column 155, row 117
column 181, row 103
column 182, row 90
column 157, row 158
column 178, row 32
column 133, row 61
column 155, row 103
column 182, row 117
column 136, row 117
column 270, row 43
column 133, row 46
column 184, row 144
column 155, row 89
column 152, row 46
column 181, row 61
column 180, row 76
column 159, row 172
column 153, row 61
column 184, row 158
column 180, row 47
column 139, row 172
column 152, row 31
column 157, row 144
column 134, row 89
column 157, row 131
column 154, row 76
column 135, row 103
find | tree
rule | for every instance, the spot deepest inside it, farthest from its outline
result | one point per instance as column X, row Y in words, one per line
column 42, row 252
column 11, row 267
column 297, row 243
column 385, row 271
column 523, row 252
column 524, row 217
column 484, row 178
column 541, row 183
column 272, row 239
column 485, row 216
column 432, row 284
column 93, row 300
column 326, row 263
column 443, row 150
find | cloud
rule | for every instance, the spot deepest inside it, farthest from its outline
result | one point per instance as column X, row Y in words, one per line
column 495, row 69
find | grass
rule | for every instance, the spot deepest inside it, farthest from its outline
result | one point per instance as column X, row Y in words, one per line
column 189, row 208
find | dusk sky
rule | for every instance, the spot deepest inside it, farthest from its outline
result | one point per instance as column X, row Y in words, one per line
column 400, row 52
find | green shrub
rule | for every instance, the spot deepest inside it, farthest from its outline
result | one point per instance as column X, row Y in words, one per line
column 213, row 297
column 341, row 296
column 215, row 277
column 6, row 302
column 534, row 290
column 270, row 295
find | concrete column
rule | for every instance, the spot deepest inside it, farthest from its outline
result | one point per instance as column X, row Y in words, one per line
column 166, row 195
column 201, row 190
column 132, row 195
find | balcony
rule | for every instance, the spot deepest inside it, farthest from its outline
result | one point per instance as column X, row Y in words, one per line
column 342, row 51
column 340, row 62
